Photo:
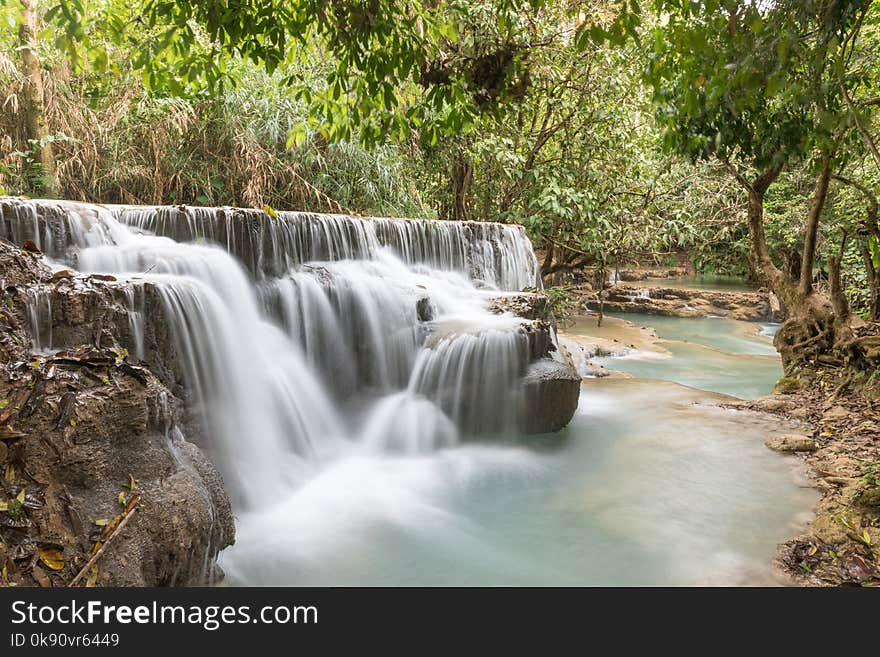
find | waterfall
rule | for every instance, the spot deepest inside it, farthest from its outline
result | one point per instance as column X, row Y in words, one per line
column 495, row 255
column 39, row 314
column 302, row 335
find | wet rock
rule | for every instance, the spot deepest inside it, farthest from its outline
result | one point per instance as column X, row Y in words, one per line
column 92, row 432
column 529, row 305
column 551, row 396
column 791, row 443
column 119, row 433
column 425, row 309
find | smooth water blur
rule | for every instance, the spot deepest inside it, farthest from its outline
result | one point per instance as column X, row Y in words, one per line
column 728, row 335
column 651, row 484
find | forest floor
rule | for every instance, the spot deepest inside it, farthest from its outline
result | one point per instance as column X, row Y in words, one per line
column 841, row 446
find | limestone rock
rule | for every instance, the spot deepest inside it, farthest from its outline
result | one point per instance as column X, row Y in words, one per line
column 772, row 404
column 551, row 395
column 685, row 302
column 791, row 443
column 87, row 433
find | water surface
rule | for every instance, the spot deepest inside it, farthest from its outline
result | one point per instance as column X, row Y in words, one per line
column 710, row 353
column 652, row 483
column 715, row 282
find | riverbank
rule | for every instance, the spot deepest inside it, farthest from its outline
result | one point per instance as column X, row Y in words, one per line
column 834, row 431
column 841, row 446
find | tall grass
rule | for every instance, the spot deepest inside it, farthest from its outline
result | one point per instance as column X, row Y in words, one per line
column 116, row 143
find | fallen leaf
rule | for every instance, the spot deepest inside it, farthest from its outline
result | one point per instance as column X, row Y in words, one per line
column 52, row 557
column 109, row 528
column 60, row 275
column 132, row 503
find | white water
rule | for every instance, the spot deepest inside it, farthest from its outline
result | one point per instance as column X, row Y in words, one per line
column 332, row 394
column 327, row 358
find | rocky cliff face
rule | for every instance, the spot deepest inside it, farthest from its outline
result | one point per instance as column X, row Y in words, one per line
column 91, row 453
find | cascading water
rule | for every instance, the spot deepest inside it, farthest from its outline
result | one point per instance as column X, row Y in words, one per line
column 492, row 254
column 336, row 331
column 336, row 364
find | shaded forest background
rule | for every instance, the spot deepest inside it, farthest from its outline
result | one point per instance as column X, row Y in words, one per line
column 617, row 134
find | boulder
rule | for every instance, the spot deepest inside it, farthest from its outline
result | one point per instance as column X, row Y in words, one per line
column 791, row 443
column 551, row 396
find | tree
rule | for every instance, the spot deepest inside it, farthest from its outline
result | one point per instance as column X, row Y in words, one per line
column 398, row 66
column 761, row 87
column 33, row 102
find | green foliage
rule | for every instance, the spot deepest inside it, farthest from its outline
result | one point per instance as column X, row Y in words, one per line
column 395, row 66
column 607, row 128
column 752, row 81
column 563, row 303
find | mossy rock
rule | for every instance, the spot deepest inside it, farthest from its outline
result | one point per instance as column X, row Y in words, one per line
column 868, row 496
column 829, row 528
column 791, row 443
column 788, row 385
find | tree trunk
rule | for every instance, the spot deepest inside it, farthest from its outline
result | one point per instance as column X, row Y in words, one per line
column 873, row 282
column 548, row 258
column 762, row 264
column 808, row 330
column 870, row 228
column 820, row 193
column 34, row 103
column 462, row 182
column 839, row 302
